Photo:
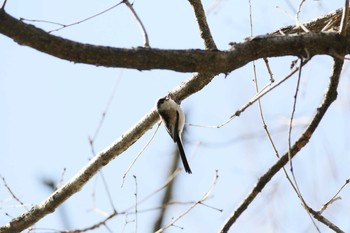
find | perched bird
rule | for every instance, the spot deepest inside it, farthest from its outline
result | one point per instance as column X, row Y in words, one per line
column 174, row 120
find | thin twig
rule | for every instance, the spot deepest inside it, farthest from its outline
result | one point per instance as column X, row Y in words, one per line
column 143, row 29
column 139, row 154
column 269, row 69
column 328, row 99
column 255, row 79
column 126, row 222
column 257, row 85
column 295, row 184
column 261, row 111
column 203, row 198
column 94, row 137
column 292, row 115
column 13, row 194
column 269, row 87
column 80, row 21
column 167, row 182
column 60, row 182
column 95, row 226
column 168, row 204
column 110, row 199
column 136, row 192
column 295, row 188
column 334, row 198
column 103, row 116
column 203, row 24
column 297, row 17
column 344, row 20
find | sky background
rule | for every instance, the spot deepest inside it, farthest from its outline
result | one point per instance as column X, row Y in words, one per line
column 50, row 107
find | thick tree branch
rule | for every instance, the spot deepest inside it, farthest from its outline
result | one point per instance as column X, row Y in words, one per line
column 330, row 96
column 177, row 60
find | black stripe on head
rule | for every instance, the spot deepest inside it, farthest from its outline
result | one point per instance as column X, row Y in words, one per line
column 161, row 101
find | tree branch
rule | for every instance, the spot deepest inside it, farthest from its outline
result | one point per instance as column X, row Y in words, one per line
column 203, row 25
column 330, row 96
column 196, row 83
column 177, row 60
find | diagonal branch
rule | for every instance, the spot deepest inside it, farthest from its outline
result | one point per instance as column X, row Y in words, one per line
column 330, row 96
column 49, row 205
column 177, row 60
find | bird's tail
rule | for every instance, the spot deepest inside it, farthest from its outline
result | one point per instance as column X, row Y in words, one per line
column 183, row 156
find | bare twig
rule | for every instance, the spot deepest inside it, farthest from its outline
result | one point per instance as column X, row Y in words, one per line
column 295, row 185
column 292, row 114
column 345, row 20
column 269, row 69
column 107, row 190
column 167, row 182
column 329, row 98
column 136, row 193
column 143, row 29
column 75, row 23
column 203, row 198
column 203, row 25
column 269, row 87
column 260, row 105
column 94, row 137
column 95, row 226
column 255, row 79
column 139, row 154
column 295, row 188
column 297, row 17
column 60, row 182
column 257, row 84
column 103, row 116
column 13, row 194
column 334, row 198
column 264, row 58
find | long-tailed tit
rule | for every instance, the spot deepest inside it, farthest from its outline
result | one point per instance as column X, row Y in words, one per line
column 174, row 120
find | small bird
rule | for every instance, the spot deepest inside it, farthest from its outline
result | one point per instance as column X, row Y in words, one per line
column 174, row 120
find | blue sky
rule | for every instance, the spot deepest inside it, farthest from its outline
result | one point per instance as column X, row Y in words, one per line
column 50, row 107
